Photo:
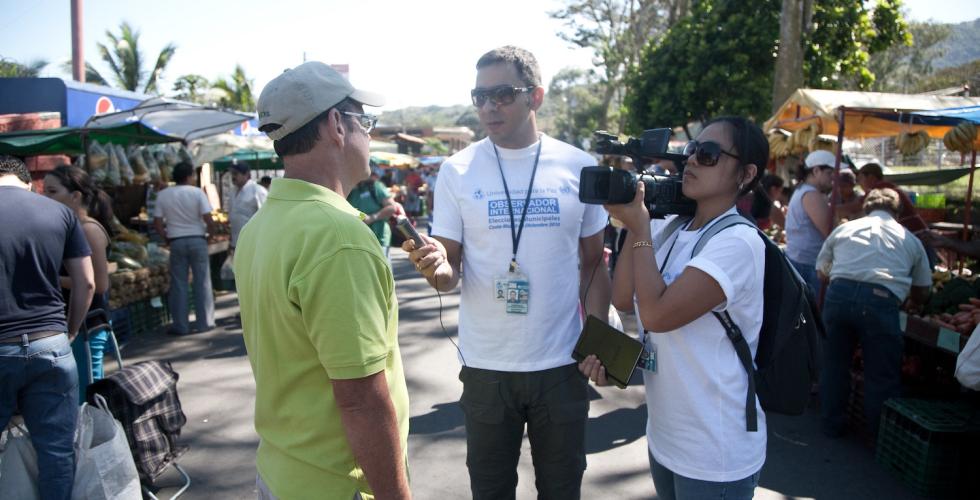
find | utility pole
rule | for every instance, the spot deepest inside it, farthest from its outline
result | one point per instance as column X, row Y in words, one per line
column 77, row 52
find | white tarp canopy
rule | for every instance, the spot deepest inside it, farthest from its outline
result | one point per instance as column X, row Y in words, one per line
column 211, row 148
column 175, row 118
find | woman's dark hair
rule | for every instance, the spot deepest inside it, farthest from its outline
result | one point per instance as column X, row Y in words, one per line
column 750, row 145
column 770, row 181
column 182, row 171
column 96, row 201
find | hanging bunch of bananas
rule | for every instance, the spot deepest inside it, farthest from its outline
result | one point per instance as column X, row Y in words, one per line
column 824, row 142
column 779, row 143
column 912, row 143
column 801, row 139
column 961, row 137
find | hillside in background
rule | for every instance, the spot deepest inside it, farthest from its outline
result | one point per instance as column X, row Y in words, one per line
column 962, row 46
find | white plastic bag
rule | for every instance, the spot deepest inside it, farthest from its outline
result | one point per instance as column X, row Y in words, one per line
column 18, row 464
column 228, row 268
column 104, row 467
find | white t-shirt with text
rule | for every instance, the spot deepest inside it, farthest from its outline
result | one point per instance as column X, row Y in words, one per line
column 471, row 208
column 696, row 398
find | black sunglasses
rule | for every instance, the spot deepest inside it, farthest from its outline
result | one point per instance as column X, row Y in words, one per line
column 707, row 153
column 500, row 95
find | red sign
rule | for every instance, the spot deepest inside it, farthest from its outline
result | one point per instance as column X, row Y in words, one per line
column 104, row 105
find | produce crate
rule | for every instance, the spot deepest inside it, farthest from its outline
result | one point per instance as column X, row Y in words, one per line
column 926, row 444
column 931, row 334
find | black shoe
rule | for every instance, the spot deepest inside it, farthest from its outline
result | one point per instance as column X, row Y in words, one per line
column 176, row 333
column 203, row 330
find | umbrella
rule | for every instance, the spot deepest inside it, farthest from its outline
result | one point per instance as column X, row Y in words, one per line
column 183, row 120
column 393, row 160
column 256, row 159
column 72, row 140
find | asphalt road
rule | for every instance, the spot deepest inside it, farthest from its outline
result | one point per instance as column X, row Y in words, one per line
column 217, row 392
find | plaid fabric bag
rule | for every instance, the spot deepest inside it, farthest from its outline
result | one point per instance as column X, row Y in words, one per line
column 143, row 397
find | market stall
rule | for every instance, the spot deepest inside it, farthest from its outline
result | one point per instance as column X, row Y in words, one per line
column 129, row 154
column 921, row 434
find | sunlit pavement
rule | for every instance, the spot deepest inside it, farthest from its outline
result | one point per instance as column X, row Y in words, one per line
column 217, row 393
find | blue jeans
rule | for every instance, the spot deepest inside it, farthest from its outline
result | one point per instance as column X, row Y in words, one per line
column 859, row 312
column 96, row 345
column 673, row 486
column 40, row 380
column 809, row 274
column 190, row 254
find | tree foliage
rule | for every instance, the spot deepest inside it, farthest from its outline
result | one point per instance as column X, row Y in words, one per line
column 956, row 76
column 717, row 60
column 720, row 59
column 615, row 31
column 191, row 88
column 237, row 90
column 14, row 69
column 843, row 36
column 126, row 61
column 573, row 106
column 902, row 67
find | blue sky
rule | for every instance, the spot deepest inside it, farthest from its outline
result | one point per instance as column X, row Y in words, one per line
column 416, row 53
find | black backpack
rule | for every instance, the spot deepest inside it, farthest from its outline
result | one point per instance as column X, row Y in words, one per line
column 786, row 361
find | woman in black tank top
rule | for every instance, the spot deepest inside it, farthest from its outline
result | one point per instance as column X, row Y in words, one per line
column 73, row 187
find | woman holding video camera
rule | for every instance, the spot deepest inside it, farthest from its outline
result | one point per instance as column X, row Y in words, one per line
column 698, row 445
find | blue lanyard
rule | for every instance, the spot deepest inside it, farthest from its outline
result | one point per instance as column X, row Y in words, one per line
column 515, row 233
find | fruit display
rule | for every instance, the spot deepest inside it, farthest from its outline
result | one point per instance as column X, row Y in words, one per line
column 132, row 285
column 912, row 143
column 804, row 139
column 961, row 137
column 954, row 302
column 780, row 145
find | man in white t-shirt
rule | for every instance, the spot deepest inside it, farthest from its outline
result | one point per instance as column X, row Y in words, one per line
column 247, row 200
column 187, row 213
column 545, row 255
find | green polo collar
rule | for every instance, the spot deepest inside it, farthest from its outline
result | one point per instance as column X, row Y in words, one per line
column 297, row 190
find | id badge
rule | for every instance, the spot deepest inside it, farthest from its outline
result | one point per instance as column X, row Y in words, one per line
column 518, row 293
column 648, row 358
column 500, row 288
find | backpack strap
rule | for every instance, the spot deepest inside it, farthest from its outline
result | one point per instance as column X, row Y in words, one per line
column 734, row 334
column 732, row 330
column 672, row 227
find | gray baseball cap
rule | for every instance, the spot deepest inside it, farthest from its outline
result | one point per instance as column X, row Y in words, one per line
column 298, row 95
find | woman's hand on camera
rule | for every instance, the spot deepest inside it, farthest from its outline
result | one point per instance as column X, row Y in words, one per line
column 592, row 368
column 633, row 215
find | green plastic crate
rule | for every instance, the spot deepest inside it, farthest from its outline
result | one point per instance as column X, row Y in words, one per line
column 924, row 443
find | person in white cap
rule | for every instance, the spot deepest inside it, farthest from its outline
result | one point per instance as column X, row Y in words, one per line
column 318, row 305
column 808, row 217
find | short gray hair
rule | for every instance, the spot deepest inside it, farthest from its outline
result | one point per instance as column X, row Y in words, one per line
column 523, row 60
column 881, row 199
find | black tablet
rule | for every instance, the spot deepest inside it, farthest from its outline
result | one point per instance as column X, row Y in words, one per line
column 617, row 351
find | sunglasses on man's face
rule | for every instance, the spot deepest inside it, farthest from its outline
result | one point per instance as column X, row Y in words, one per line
column 500, row 95
column 366, row 121
column 707, row 153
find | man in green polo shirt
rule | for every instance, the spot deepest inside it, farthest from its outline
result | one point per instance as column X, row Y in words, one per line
column 318, row 305
column 372, row 197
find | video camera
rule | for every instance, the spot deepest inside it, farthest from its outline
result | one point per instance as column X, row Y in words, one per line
column 611, row 186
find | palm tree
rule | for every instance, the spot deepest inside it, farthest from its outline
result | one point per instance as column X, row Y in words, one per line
column 191, row 88
column 238, row 91
column 126, row 61
column 14, row 69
